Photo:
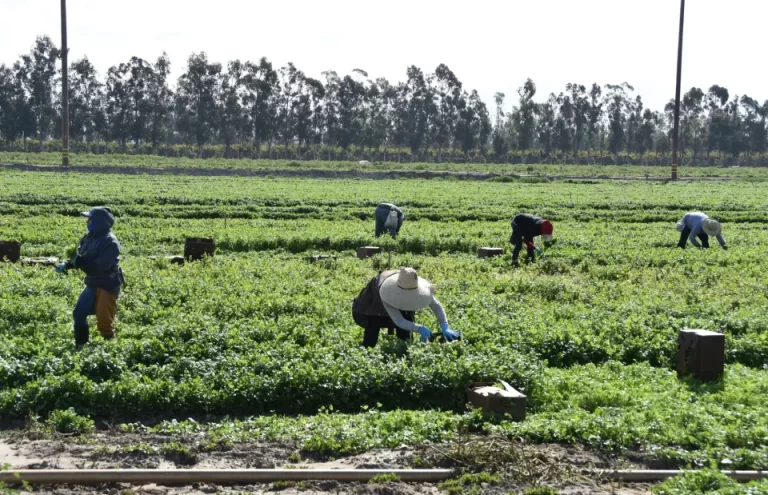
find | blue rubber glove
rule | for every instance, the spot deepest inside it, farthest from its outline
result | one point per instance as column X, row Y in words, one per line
column 450, row 335
column 538, row 251
column 425, row 333
column 61, row 268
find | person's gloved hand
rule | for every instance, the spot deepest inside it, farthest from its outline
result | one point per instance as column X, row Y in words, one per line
column 725, row 247
column 425, row 333
column 448, row 333
column 537, row 250
column 61, row 268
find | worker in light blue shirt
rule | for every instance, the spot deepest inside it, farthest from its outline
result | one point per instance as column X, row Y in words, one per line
column 698, row 225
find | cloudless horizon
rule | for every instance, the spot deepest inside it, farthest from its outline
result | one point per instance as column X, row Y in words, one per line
column 491, row 46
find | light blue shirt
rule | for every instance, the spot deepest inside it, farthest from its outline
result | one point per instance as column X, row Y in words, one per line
column 695, row 221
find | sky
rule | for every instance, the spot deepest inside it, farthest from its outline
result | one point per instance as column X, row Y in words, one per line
column 491, row 46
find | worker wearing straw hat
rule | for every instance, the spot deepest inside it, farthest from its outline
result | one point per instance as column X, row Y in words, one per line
column 389, row 218
column 698, row 225
column 524, row 228
column 391, row 299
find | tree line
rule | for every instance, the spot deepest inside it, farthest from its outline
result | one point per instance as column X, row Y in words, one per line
column 256, row 104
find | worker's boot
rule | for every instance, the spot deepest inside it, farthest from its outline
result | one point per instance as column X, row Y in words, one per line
column 81, row 337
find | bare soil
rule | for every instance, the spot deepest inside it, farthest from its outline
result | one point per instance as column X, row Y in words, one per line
column 558, row 466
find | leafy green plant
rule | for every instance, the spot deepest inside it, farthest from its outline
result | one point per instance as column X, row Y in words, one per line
column 69, row 422
column 385, row 478
column 178, row 453
column 541, row 490
column 588, row 332
column 708, row 481
column 468, row 483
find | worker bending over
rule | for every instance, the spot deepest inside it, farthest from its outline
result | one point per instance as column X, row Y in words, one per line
column 389, row 218
column 391, row 299
column 698, row 225
column 524, row 228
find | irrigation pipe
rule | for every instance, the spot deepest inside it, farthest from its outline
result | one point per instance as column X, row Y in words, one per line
column 235, row 476
column 224, row 476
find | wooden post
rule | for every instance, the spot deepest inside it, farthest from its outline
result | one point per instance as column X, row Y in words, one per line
column 676, row 132
column 64, row 88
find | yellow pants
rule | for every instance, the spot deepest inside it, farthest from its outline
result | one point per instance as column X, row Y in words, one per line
column 99, row 302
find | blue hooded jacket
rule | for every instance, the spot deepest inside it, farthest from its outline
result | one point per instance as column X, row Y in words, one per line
column 99, row 253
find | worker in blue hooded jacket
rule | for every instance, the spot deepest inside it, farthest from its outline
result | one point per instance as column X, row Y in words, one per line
column 99, row 257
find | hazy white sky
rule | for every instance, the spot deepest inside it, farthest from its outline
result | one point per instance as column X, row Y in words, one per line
column 491, row 45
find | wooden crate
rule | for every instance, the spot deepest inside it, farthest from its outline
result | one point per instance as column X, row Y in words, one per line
column 508, row 401
column 195, row 248
column 700, row 353
column 489, row 252
column 367, row 251
column 10, row 251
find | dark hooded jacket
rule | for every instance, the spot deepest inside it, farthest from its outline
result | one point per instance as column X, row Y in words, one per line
column 528, row 226
column 99, row 253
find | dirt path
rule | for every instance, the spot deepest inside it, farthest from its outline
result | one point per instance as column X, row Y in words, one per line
column 331, row 174
column 107, row 450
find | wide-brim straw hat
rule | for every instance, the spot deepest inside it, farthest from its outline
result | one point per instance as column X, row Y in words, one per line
column 680, row 226
column 710, row 226
column 407, row 291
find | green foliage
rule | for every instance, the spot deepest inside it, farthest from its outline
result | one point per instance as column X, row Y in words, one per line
column 68, row 421
column 4, row 488
column 467, row 483
column 541, row 490
column 708, row 481
column 385, row 478
column 178, row 453
column 588, row 332
column 140, row 449
column 185, row 156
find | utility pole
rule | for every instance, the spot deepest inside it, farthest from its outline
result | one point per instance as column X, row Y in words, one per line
column 64, row 88
column 676, row 134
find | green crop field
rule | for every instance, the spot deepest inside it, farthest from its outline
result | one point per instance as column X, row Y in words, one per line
column 257, row 343
column 308, row 166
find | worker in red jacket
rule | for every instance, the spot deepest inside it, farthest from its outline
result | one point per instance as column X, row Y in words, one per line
column 524, row 228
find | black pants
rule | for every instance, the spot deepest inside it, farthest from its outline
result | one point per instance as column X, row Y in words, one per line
column 516, row 239
column 704, row 238
column 372, row 325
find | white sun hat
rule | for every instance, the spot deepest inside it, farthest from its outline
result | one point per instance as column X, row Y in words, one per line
column 407, row 291
column 710, row 226
column 680, row 226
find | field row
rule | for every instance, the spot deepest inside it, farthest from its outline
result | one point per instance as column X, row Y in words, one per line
column 589, row 332
column 251, row 326
column 150, row 161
